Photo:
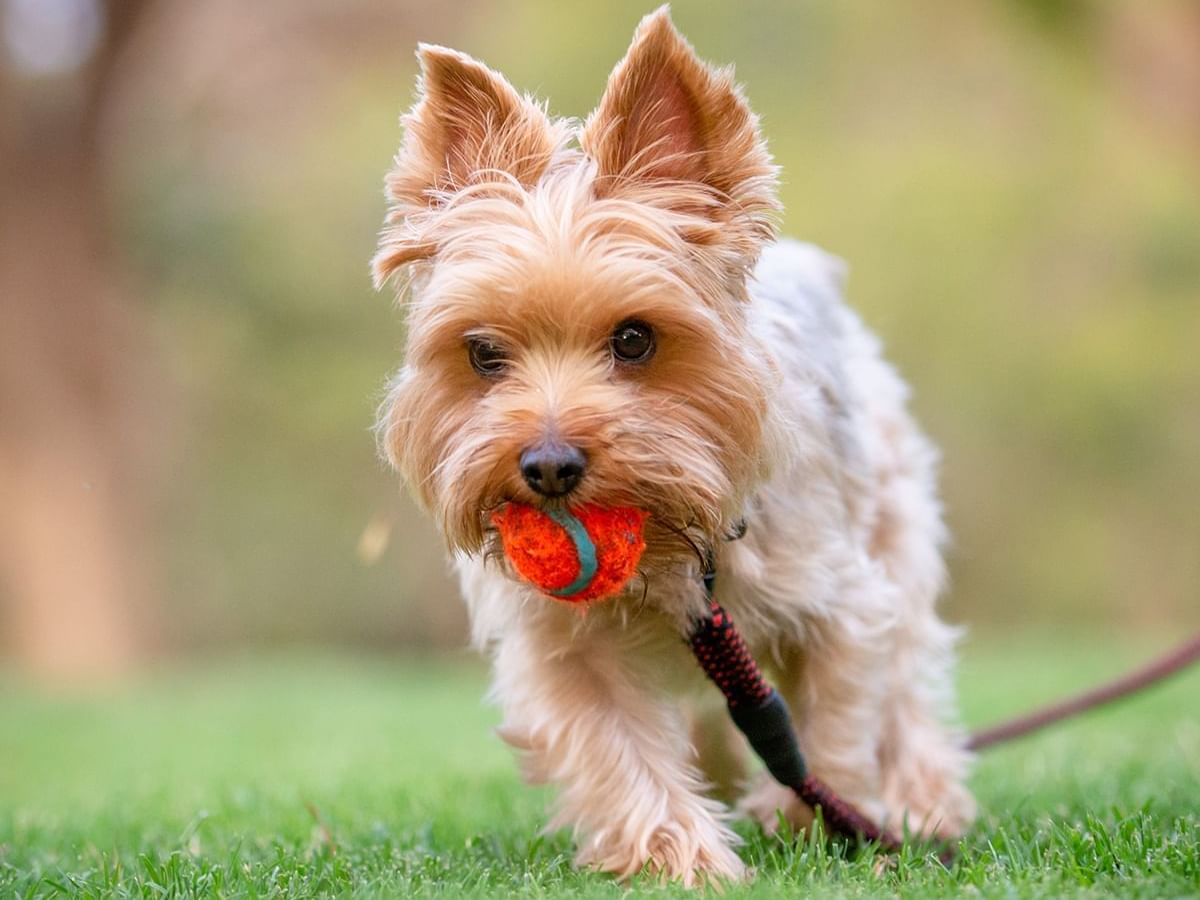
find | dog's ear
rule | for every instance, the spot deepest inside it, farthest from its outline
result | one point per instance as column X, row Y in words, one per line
column 468, row 124
column 667, row 117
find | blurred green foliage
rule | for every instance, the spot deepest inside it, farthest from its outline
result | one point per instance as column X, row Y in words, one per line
column 1021, row 231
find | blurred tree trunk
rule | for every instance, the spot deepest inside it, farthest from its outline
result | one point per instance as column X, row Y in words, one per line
column 74, row 566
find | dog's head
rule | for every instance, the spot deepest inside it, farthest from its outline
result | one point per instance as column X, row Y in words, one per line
column 577, row 327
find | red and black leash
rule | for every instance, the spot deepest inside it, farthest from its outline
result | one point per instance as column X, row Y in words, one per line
column 761, row 714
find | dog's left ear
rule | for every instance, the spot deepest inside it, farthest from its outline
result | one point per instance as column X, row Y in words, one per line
column 668, row 118
column 468, row 125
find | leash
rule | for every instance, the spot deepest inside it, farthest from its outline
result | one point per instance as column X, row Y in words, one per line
column 761, row 714
column 1156, row 670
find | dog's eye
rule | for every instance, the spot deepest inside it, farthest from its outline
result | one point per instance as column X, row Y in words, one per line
column 632, row 342
column 487, row 357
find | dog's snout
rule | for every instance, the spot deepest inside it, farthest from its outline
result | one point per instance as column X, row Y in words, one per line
column 552, row 468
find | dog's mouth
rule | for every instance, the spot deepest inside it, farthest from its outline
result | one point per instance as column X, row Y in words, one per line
column 546, row 537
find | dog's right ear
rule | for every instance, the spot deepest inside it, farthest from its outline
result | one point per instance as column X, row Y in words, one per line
column 468, row 124
column 668, row 119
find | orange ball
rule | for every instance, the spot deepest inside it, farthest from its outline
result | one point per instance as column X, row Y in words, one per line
column 588, row 553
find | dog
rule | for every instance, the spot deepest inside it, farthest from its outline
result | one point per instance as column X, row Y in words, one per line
column 602, row 313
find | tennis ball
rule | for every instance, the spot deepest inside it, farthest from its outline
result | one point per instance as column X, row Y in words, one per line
column 587, row 553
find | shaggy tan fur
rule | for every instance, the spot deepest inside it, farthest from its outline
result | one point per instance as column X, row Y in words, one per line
column 766, row 399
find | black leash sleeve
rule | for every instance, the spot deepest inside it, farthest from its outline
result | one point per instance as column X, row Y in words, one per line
column 768, row 728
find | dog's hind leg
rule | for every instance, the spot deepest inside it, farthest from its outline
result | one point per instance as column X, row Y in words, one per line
column 921, row 754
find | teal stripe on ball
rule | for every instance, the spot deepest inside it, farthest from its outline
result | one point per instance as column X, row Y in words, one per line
column 585, row 551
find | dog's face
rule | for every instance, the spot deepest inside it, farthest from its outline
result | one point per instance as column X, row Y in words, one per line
column 577, row 328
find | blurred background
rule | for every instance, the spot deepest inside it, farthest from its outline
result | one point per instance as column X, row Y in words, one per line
column 191, row 352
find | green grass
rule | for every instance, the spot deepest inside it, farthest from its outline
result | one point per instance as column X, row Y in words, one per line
column 313, row 775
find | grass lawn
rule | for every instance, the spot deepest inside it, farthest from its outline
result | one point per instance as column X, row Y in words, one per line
column 315, row 775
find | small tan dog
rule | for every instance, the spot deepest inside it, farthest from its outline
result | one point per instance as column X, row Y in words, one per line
column 602, row 313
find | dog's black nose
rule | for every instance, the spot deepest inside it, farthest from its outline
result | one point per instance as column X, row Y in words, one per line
column 552, row 468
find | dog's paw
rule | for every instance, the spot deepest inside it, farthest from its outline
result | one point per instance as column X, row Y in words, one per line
column 928, row 797
column 694, row 866
column 769, row 803
column 692, row 855
column 944, row 813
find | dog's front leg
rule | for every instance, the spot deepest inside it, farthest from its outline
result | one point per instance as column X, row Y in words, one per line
column 620, row 755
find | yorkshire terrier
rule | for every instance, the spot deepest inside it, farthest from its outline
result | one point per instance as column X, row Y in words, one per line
column 601, row 313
